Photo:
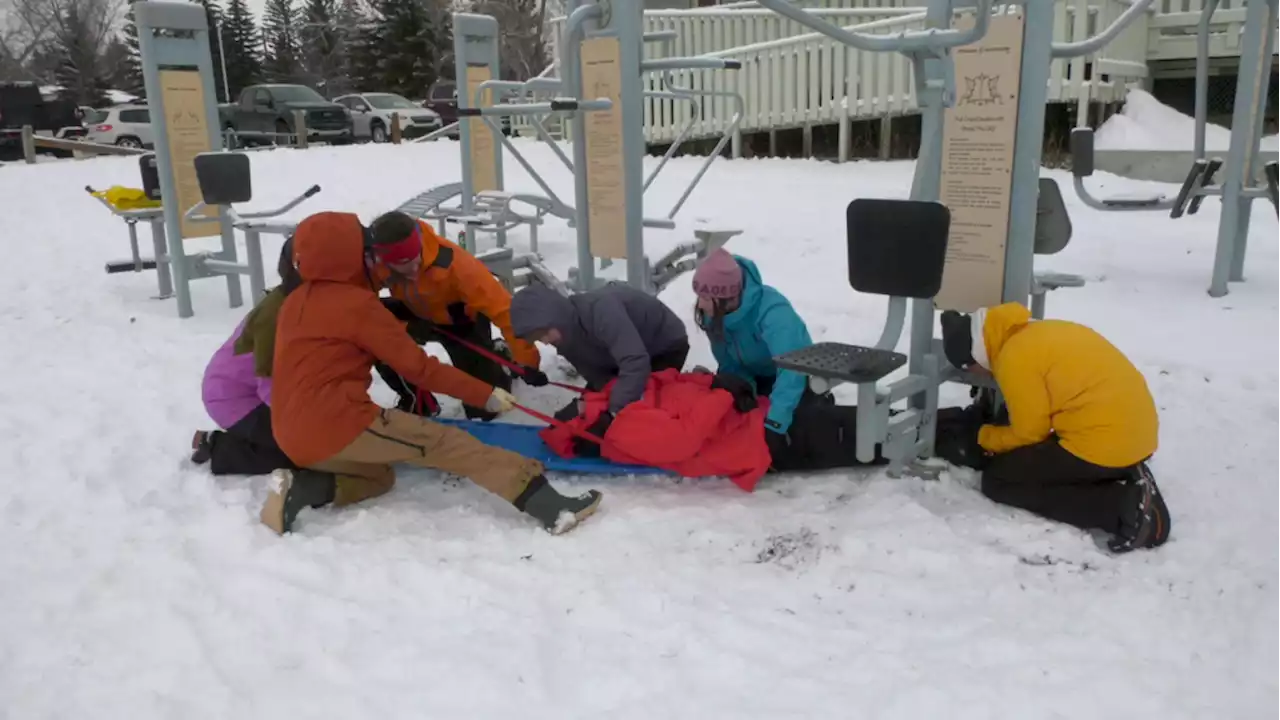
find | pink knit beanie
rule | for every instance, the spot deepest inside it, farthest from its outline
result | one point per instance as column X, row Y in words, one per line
column 718, row 277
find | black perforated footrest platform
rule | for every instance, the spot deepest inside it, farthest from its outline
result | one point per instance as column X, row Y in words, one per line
column 837, row 361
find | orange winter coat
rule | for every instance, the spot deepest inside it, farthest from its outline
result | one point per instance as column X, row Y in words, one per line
column 329, row 332
column 451, row 275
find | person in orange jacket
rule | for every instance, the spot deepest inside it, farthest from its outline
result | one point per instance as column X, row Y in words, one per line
column 435, row 284
column 329, row 332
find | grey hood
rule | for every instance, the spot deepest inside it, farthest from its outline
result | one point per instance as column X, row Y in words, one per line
column 537, row 307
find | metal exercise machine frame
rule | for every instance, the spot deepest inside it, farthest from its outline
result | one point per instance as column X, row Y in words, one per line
column 175, row 36
column 592, row 19
column 1238, row 188
column 910, row 435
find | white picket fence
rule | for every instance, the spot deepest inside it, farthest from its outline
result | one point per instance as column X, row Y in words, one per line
column 793, row 77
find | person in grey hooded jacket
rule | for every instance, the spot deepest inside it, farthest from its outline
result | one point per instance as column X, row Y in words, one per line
column 615, row 331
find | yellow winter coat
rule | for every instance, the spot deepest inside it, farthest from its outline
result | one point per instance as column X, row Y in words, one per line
column 1063, row 377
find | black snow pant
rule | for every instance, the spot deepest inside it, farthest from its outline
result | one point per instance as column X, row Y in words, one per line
column 478, row 332
column 247, row 447
column 1049, row 481
column 822, row 436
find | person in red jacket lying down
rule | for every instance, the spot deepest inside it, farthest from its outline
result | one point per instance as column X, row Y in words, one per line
column 697, row 425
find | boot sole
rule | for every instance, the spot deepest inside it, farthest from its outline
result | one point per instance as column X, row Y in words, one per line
column 563, row 525
column 272, row 514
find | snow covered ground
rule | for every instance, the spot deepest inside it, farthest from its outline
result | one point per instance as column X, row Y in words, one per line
column 133, row 586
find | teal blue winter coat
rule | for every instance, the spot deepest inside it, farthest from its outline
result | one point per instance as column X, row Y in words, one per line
column 762, row 327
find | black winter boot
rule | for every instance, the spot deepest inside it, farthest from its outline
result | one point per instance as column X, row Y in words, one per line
column 202, row 446
column 292, row 490
column 1147, row 524
column 557, row 513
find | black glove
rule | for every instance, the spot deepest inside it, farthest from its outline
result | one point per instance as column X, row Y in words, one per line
column 957, row 443
column 778, row 444
column 743, row 392
column 568, row 412
column 583, row 447
column 533, row 377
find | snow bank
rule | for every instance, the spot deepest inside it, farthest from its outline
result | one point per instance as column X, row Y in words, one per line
column 1145, row 123
column 133, row 586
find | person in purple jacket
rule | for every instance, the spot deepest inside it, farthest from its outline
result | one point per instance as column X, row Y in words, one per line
column 237, row 390
column 240, row 403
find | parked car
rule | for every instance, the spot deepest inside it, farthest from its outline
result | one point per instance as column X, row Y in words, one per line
column 264, row 114
column 442, row 99
column 21, row 103
column 371, row 116
column 126, row 126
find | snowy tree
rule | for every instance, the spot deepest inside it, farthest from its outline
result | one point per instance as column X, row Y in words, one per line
column 322, row 47
column 242, row 43
column 128, row 74
column 417, row 41
column 523, row 51
column 280, row 23
column 81, row 35
column 213, row 15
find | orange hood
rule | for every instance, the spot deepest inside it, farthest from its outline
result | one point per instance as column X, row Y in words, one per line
column 329, row 247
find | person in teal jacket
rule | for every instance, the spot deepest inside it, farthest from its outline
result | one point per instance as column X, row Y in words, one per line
column 750, row 323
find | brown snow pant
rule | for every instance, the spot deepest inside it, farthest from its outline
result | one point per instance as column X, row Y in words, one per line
column 364, row 470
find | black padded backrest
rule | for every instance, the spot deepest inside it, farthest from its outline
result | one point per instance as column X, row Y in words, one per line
column 1053, row 224
column 897, row 247
column 150, row 176
column 224, row 177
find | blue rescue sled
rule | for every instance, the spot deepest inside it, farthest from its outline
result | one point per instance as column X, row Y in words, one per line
column 524, row 440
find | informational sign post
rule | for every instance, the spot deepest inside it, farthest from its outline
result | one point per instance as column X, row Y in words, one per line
column 483, row 157
column 978, row 143
column 182, row 98
column 606, row 189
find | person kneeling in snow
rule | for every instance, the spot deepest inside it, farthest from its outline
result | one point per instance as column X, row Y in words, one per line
column 615, row 332
column 438, row 286
column 1082, row 424
column 330, row 332
column 237, row 390
column 750, row 323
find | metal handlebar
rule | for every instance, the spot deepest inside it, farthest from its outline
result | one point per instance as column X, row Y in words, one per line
column 278, row 211
column 196, row 213
column 903, row 42
column 1097, row 42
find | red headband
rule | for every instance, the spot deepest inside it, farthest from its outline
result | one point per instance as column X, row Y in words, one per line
column 407, row 250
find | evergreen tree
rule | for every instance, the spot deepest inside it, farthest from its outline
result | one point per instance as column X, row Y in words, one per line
column 415, row 37
column 213, row 15
column 242, row 43
column 321, row 48
column 128, row 74
column 280, row 23
column 80, row 71
column 353, row 25
column 366, row 53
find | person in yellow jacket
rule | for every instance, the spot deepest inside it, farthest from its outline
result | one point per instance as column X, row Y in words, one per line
column 1081, row 424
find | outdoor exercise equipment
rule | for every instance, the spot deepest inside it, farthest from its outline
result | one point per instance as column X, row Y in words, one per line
column 225, row 179
column 1241, row 182
column 133, row 209
column 600, row 89
column 977, row 213
column 173, row 41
